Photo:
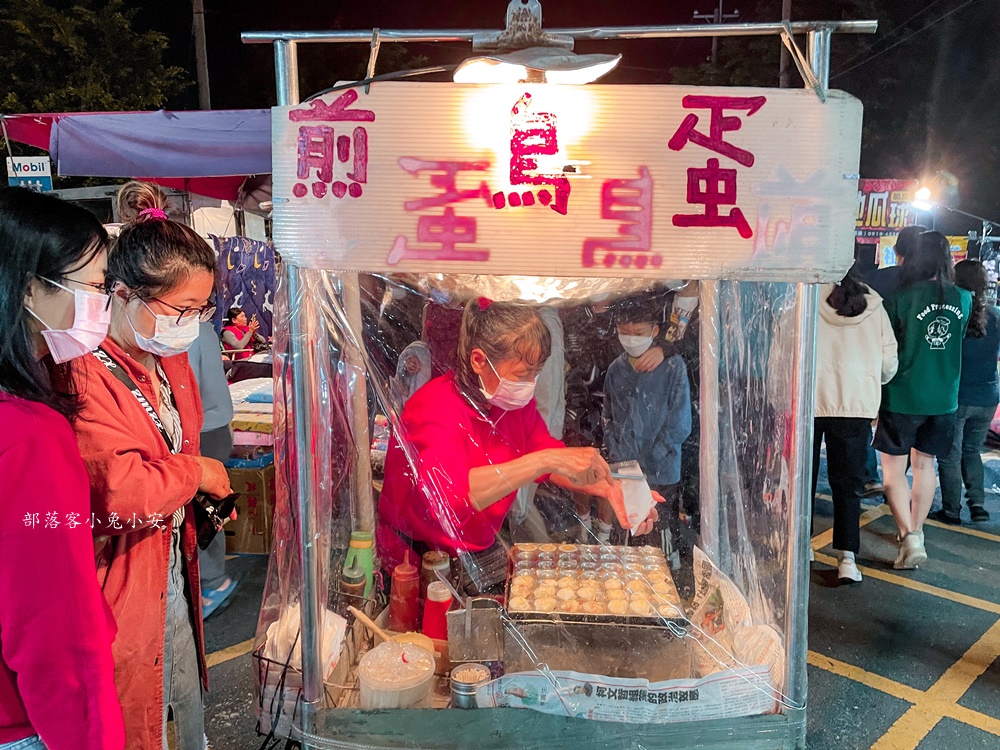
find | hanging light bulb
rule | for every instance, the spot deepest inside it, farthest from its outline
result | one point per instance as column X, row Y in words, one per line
column 536, row 65
column 524, row 53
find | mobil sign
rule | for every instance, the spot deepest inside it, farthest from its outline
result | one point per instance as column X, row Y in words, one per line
column 34, row 172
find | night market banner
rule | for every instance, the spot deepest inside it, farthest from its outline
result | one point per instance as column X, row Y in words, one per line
column 884, row 208
column 546, row 180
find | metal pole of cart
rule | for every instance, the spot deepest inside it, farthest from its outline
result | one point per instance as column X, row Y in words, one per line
column 303, row 368
column 709, row 418
column 800, row 491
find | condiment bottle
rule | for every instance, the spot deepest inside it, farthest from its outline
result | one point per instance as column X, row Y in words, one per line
column 431, row 563
column 352, row 588
column 360, row 553
column 436, row 611
column 404, row 602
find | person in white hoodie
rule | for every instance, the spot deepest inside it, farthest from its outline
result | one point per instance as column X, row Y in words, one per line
column 855, row 356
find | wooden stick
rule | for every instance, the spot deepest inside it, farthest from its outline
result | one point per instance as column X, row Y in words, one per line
column 368, row 623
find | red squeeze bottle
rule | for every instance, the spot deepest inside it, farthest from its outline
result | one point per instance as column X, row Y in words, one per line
column 436, row 611
column 404, row 603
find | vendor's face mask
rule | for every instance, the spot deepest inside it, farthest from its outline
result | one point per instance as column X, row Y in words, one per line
column 169, row 338
column 510, row 394
column 635, row 346
column 91, row 318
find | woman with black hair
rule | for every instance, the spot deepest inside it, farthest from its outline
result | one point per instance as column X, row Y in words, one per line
column 855, row 356
column 57, row 686
column 929, row 315
column 239, row 334
column 977, row 403
column 139, row 435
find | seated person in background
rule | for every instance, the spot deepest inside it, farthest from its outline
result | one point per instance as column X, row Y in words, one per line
column 468, row 440
column 240, row 336
column 647, row 415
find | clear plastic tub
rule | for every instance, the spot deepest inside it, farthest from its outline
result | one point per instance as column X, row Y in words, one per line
column 396, row 675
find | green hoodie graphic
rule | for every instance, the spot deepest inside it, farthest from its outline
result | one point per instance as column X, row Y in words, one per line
column 929, row 331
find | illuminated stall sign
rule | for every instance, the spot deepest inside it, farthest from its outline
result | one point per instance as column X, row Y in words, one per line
column 569, row 181
column 883, row 209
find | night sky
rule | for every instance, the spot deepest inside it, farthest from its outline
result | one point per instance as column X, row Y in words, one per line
column 947, row 76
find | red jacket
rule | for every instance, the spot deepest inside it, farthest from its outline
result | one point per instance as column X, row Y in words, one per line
column 448, row 437
column 134, row 475
column 56, row 672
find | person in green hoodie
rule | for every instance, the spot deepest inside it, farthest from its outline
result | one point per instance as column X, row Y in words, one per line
column 929, row 315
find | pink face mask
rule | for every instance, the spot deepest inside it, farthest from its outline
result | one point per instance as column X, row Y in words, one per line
column 91, row 319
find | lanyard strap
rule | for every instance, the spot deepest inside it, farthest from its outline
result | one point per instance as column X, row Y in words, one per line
column 119, row 372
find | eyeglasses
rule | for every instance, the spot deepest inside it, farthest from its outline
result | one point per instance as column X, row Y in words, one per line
column 186, row 314
column 96, row 287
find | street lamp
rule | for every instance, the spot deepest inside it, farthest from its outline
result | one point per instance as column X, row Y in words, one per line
column 922, row 199
column 524, row 53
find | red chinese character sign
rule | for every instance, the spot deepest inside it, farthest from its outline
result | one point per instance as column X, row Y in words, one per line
column 544, row 180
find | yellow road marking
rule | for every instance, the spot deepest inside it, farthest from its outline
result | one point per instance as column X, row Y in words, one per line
column 941, row 698
column 928, row 707
column 870, row 679
column 954, row 683
column 962, row 530
column 233, row 652
column 924, row 588
column 908, row 731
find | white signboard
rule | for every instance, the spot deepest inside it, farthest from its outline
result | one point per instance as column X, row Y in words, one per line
column 546, row 180
column 33, row 172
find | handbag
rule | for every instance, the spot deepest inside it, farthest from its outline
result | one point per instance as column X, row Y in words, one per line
column 209, row 515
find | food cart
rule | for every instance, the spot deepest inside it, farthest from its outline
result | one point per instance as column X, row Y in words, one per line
column 397, row 205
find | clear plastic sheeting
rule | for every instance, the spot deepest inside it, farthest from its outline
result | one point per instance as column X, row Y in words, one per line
column 489, row 431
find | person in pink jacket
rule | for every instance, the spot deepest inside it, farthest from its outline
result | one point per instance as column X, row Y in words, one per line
column 57, row 688
column 855, row 356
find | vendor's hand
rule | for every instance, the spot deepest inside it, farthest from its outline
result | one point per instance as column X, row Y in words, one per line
column 616, row 499
column 647, row 526
column 254, row 325
column 650, row 359
column 581, row 466
column 214, row 479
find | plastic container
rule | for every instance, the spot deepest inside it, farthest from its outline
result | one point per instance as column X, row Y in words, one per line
column 360, row 553
column 396, row 675
column 430, row 564
column 404, row 601
column 352, row 588
column 466, row 679
column 436, row 611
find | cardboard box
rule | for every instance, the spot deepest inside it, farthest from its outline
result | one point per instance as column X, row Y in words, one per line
column 250, row 533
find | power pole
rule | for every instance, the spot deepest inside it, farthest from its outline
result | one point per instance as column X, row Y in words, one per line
column 201, row 54
column 717, row 17
column 785, row 74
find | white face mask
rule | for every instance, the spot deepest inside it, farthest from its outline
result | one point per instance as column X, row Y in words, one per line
column 91, row 318
column 510, row 394
column 169, row 338
column 635, row 346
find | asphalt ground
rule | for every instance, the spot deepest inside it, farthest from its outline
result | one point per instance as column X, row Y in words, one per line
column 904, row 660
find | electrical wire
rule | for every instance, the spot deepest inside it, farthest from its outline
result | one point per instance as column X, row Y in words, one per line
column 906, row 38
column 892, row 31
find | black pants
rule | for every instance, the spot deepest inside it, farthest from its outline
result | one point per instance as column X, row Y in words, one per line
column 847, row 441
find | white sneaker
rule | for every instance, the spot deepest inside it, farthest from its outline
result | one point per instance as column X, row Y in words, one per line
column 911, row 552
column 847, row 569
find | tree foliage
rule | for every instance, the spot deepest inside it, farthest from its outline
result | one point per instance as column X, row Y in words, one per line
column 85, row 57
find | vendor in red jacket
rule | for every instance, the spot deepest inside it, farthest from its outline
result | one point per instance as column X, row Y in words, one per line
column 469, row 440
